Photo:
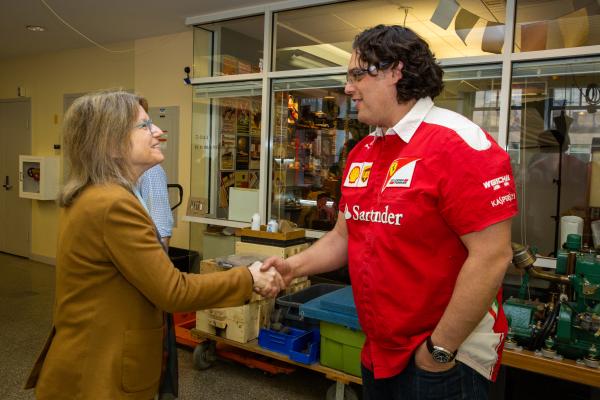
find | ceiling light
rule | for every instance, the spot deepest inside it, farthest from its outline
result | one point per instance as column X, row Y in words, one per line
column 35, row 28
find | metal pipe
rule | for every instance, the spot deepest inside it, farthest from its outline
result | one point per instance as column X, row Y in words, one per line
column 571, row 260
column 524, row 259
column 535, row 273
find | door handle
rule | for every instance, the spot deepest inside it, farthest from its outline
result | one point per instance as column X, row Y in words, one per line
column 7, row 184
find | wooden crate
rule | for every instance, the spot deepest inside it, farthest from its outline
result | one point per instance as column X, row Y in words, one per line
column 240, row 324
column 266, row 250
column 210, row 265
column 296, row 285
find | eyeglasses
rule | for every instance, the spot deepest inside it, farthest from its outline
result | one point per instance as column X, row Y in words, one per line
column 356, row 74
column 145, row 124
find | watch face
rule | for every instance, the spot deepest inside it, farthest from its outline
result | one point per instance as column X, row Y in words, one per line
column 441, row 356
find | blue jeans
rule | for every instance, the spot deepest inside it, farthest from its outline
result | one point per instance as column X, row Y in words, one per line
column 459, row 382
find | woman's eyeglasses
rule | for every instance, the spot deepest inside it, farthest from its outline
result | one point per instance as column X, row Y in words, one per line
column 356, row 74
column 145, row 124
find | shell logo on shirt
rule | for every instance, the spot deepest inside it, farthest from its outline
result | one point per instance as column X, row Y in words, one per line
column 354, row 173
column 400, row 172
column 358, row 174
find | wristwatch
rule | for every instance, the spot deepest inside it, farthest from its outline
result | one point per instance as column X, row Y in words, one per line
column 438, row 353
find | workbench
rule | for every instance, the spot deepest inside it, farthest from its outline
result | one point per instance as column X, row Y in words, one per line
column 562, row 369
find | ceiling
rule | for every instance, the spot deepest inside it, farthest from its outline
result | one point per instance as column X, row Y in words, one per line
column 106, row 22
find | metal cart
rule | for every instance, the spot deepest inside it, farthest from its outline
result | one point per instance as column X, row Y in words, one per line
column 206, row 351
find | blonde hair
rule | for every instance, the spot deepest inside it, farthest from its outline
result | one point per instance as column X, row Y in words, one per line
column 97, row 142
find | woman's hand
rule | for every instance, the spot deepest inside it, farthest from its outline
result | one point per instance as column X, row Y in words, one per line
column 268, row 282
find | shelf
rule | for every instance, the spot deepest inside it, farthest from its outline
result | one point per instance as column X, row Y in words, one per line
column 563, row 369
column 216, row 221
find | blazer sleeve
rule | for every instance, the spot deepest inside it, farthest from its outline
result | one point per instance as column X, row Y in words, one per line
column 134, row 249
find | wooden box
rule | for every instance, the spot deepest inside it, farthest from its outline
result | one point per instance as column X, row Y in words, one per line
column 297, row 233
column 267, row 250
column 210, row 265
column 240, row 324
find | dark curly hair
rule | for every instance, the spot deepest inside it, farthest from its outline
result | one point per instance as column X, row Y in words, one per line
column 385, row 45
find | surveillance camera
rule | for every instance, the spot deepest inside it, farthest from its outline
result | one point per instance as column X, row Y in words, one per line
column 187, row 71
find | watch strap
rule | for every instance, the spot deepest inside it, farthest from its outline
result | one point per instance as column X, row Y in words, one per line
column 431, row 348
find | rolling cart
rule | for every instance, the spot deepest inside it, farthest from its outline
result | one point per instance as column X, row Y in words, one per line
column 206, row 351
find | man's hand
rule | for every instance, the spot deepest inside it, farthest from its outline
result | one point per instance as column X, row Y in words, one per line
column 267, row 282
column 282, row 266
column 424, row 361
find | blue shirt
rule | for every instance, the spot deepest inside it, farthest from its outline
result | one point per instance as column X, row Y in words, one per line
column 153, row 189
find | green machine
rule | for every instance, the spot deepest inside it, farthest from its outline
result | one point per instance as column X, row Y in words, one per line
column 568, row 324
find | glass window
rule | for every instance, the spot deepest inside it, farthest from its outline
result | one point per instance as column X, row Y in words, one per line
column 556, row 24
column 315, row 125
column 314, row 128
column 554, row 140
column 322, row 36
column 474, row 92
column 228, row 47
column 226, row 148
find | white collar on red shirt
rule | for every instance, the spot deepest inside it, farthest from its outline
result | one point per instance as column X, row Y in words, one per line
column 406, row 127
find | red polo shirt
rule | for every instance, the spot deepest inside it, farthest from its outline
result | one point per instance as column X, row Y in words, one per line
column 407, row 196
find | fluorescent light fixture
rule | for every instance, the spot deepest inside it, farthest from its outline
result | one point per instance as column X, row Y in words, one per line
column 313, row 203
column 35, row 28
column 303, row 61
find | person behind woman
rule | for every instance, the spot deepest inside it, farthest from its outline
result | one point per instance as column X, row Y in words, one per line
column 113, row 278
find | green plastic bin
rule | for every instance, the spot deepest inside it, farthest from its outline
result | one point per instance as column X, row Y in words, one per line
column 341, row 347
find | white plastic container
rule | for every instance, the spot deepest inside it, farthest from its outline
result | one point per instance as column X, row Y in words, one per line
column 272, row 226
column 255, row 225
column 570, row 224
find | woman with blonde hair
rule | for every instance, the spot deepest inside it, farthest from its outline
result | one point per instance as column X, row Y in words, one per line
column 114, row 281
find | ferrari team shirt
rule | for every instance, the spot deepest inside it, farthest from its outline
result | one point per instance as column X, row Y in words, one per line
column 408, row 195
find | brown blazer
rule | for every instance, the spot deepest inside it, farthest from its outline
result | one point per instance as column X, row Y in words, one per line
column 113, row 281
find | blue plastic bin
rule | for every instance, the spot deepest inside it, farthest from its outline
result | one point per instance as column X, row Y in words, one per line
column 336, row 307
column 300, row 345
column 290, row 305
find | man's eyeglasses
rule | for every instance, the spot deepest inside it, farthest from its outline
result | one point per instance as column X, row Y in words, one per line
column 356, row 74
column 145, row 124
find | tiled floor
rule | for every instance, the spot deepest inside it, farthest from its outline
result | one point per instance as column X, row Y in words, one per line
column 26, row 296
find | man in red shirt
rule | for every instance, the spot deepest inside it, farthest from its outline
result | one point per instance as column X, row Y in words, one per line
column 424, row 226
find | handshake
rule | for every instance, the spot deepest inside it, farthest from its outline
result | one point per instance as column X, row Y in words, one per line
column 271, row 276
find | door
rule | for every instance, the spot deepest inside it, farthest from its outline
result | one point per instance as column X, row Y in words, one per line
column 15, row 212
